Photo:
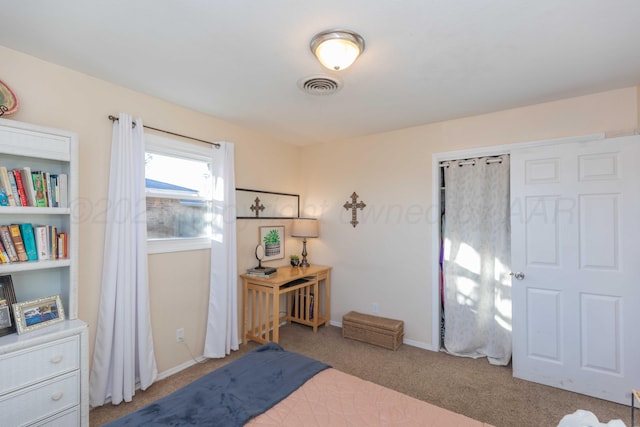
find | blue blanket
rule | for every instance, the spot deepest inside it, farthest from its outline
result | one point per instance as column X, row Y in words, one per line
column 232, row 394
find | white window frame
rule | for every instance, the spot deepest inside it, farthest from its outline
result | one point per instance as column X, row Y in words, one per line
column 170, row 147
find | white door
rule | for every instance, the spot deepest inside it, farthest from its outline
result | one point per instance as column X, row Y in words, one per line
column 575, row 225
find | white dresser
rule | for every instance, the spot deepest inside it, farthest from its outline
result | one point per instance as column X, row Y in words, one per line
column 42, row 377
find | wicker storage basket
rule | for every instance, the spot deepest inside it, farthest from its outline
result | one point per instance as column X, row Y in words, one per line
column 376, row 330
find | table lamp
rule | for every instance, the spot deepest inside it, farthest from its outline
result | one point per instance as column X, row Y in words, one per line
column 304, row 227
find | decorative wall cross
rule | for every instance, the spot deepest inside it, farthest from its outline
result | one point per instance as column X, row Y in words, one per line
column 354, row 206
column 257, row 207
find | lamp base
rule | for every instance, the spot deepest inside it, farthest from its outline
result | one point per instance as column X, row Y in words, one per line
column 304, row 262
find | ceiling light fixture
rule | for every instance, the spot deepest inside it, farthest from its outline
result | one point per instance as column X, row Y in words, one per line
column 337, row 49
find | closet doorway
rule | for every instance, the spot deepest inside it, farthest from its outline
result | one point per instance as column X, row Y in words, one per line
column 475, row 258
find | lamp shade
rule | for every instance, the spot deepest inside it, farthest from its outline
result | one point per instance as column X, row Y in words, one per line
column 305, row 227
column 337, row 49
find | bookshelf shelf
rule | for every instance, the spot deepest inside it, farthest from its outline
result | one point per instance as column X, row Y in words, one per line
column 30, row 210
column 15, row 267
column 26, row 366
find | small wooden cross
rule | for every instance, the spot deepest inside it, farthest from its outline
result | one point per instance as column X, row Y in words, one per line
column 354, row 206
column 257, row 207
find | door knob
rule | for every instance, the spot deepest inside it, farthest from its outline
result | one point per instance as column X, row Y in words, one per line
column 518, row 275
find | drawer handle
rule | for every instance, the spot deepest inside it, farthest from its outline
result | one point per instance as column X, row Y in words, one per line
column 57, row 396
column 57, row 358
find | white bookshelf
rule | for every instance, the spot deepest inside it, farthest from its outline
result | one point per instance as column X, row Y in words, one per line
column 44, row 372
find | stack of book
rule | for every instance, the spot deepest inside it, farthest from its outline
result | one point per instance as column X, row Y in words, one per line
column 24, row 187
column 262, row 271
column 31, row 242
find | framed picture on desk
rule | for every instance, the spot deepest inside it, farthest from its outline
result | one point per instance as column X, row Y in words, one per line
column 272, row 238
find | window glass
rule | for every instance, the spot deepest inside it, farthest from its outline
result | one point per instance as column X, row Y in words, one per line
column 178, row 189
column 179, row 174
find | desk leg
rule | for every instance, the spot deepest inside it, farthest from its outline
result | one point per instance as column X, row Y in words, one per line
column 316, row 309
column 276, row 316
column 327, row 299
column 245, row 304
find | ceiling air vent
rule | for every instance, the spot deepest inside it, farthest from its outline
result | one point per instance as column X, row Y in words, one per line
column 319, row 85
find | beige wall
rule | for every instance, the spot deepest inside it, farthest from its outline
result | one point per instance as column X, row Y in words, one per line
column 387, row 258
column 55, row 96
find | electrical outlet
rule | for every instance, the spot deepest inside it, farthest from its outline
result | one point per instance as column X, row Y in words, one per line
column 375, row 307
column 180, row 335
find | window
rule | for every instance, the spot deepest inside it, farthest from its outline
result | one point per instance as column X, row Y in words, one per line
column 178, row 188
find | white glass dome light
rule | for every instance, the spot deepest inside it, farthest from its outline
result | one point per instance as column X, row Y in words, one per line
column 337, row 49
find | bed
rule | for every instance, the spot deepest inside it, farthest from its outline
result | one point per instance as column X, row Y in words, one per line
column 270, row 386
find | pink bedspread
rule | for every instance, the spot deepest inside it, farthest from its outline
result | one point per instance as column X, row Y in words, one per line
column 333, row 398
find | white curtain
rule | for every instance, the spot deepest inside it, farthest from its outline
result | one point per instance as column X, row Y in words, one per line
column 123, row 353
column 477, row 285
column 222, row 321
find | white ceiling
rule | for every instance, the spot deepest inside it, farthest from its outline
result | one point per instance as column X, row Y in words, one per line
column 425, row 60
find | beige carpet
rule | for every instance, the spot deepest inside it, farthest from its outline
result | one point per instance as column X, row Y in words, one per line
column 471, row 387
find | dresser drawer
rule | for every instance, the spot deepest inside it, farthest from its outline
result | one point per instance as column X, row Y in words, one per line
column 42, row 400
column 68, row 418
column 35, row 364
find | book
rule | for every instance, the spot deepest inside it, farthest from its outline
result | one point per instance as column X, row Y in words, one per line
column 55, row 190
column 6, row 186
column 29, row 240
column 48, row 191
column 38, row 188
column 14, row 188
column 262, row 271
column 62, row 245
column 63, row 200
column 7, row 241
column 41, row 233
column 27, row 181
column 261, row 274
column 22, row 193
column 53, row 242
column 4, row 258
column 18, row 243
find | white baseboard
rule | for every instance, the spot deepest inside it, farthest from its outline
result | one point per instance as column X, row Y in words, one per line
column 182, row 367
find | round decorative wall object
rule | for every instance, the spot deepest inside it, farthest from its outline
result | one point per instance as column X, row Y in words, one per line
column 8, row 100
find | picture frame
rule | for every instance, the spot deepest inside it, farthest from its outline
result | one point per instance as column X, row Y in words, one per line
column 272, row 239
column 257, row 204
column 7, row 299
column 38, row 313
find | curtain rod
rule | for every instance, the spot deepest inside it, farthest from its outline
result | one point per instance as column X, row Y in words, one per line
column 472, row 162
column 217, row 145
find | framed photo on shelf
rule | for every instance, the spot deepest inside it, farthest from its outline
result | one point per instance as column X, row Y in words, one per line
column 35, row 314
column 272, row 239
column 7, row 299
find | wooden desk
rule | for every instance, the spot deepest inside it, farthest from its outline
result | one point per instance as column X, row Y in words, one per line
column 307, row 301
